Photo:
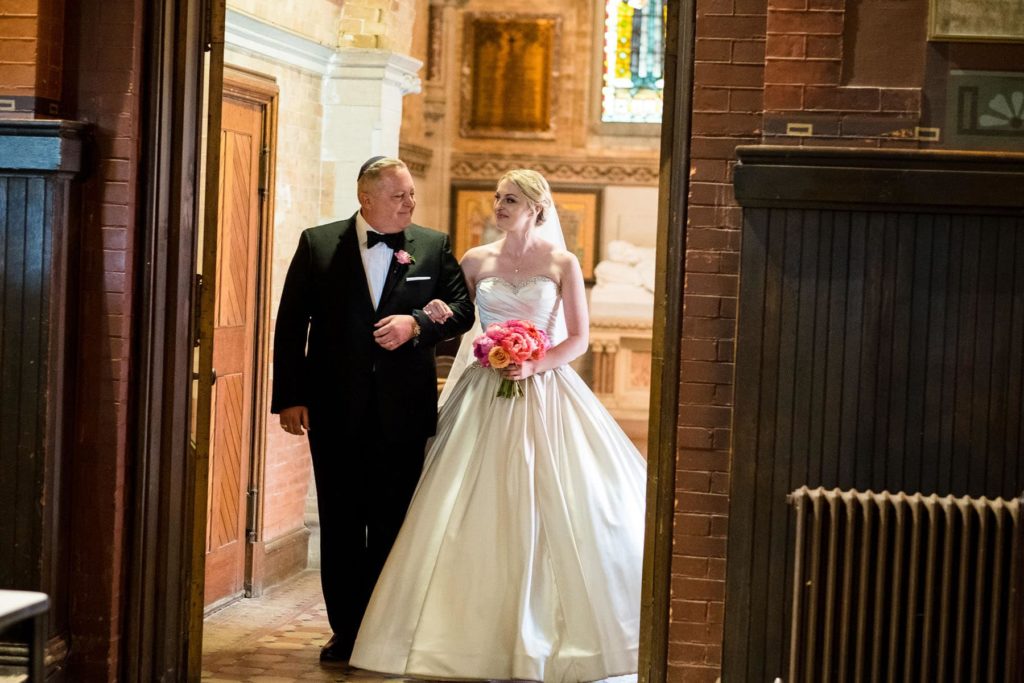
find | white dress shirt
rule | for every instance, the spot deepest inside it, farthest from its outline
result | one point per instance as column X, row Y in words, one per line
column 376, row 261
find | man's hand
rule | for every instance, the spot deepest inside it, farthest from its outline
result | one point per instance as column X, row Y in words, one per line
column 438, row 311
column 295, row 419
column 394, row 330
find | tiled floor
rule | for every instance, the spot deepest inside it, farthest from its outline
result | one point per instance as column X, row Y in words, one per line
column 274, row 639
column 277, row 637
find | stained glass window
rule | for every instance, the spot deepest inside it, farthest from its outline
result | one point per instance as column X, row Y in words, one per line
column 634, row 45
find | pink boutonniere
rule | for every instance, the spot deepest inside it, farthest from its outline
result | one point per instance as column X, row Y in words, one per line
column 404, row 257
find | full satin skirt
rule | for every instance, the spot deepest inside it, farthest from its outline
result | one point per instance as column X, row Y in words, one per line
column 520, row 557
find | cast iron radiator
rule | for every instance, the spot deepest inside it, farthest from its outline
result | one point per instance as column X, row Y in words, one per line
column 904, row 587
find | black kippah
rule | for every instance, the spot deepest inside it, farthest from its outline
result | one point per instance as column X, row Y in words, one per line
column 367, row 164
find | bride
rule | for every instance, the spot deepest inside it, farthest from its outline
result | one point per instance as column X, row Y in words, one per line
column 520, row 556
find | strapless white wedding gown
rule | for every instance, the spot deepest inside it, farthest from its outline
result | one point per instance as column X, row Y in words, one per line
column 520, row 556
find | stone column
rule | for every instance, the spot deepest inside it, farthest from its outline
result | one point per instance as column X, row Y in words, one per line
column 362, row 99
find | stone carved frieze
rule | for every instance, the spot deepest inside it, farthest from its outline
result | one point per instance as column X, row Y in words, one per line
column 564, row 171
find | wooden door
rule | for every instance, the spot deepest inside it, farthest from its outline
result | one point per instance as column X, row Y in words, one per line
column 234, row 345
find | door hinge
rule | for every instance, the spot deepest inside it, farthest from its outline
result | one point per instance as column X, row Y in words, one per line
column 252, row 500
column 264, row 179
column 197, row 308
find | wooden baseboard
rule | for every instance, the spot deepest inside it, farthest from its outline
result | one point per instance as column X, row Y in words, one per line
column 277, row 559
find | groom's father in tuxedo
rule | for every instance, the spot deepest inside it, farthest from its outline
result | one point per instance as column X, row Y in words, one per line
column 354, row 368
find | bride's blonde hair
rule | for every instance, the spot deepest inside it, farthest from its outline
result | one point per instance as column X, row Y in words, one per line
column 535, row 188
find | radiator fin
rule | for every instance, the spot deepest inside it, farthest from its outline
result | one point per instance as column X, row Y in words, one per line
column 904, row 587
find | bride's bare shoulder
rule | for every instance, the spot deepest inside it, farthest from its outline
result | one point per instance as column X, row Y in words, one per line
column 475, row 257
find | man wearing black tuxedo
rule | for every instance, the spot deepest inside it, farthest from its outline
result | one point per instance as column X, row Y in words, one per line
column 354, row 367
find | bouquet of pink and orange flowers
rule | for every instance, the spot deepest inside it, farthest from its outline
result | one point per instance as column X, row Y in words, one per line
column 510, row 343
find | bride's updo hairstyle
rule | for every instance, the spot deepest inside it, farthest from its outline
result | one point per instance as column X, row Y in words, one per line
column 535, row 188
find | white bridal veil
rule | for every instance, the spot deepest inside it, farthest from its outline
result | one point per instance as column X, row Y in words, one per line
column 549, row 231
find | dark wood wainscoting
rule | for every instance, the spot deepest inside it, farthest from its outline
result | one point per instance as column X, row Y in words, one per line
column 880, row 345
column 37, row 162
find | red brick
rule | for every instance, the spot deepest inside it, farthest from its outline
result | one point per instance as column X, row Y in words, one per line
column 706, row 371
column 19, row 26
column 718, row 148
column 711, row 99
column 699, row 482
column 779, row 46
column 692, row 525
column 723, row 395
column 728, row 307
column 748, row 52
column 698, row 349
column 902, row 100
column 719, row 482
column 713, row 50
column 712, row 237
column 742, row 75
column 712, row 283
column 723, row 439
column 710, row 503
column 824, row 47
column 746, row 100
column 690, row 437
column 786, row 4
column 813, row 22
column 709, row 328
column 701, row 306
column 689, row 653
column 783, row 97
column 697, row 589
column 697, row 394
column 719, row 527
column 712, row 170
column 17, row 50
column 756, row 8
column 729, row 262
column 711, row 194
column 726, row 124
column 115, row 215
column 691, row 567
column 801, row 73
column 702, row 262
column 713, row 26
column 716, row 613
column 714, row 7
column 689, row 610
column 726, row 349
column 841, row 99
column 712, row 461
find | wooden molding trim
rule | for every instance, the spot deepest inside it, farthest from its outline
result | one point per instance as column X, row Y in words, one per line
column 782, row 176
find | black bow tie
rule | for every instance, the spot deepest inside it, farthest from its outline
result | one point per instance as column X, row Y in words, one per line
column 395, row 240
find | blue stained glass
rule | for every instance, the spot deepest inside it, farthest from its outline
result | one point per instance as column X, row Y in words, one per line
column 633, row 82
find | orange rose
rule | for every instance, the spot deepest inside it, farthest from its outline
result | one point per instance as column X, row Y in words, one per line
column 498, row 358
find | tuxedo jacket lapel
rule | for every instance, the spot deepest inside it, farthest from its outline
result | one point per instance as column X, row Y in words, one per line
column 349, row 269
column 396, row 272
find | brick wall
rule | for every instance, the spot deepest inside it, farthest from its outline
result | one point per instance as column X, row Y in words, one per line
column 381, row 24
column 31, row 55
column 727, row 105
column 805, row 82
column 106, row 46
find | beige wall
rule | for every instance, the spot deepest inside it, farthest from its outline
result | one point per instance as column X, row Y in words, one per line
column 317, row 19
